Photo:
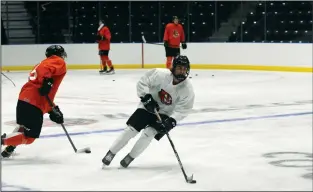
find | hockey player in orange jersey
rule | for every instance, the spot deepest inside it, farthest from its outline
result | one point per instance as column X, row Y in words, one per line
column 173, row 36
column 104, row 41
column 44, row 80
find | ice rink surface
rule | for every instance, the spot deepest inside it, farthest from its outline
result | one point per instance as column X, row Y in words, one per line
column 248, row 131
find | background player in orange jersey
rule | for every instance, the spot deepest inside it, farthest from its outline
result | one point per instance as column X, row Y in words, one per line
column 103, row 39
column 173, row 36
column 44, row 80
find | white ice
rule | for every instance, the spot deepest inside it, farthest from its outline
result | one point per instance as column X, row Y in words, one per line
column 222, row 155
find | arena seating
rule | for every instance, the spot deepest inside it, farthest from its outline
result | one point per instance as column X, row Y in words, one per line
column 206, row 17
column 149, row 18
column 276, row 22
column 52, row 20
column 279, row 21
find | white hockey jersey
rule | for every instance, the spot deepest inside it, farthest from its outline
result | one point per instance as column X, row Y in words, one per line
column 175, row 101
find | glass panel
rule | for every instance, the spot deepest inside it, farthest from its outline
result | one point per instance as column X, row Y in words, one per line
column 85, row 21
column 254, row 28
column 33, row 15
column 52, row 21
column 145, row 19
column 228, row 18
column 116, row 15
column 289, row 21
column 235, row 24
column 4, row 23
column 202, row 20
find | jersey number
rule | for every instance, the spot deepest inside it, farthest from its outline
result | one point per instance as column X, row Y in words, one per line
column 33, row 73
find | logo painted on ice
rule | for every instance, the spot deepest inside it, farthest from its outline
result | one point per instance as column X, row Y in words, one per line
column 7, row 187
column 296, row 160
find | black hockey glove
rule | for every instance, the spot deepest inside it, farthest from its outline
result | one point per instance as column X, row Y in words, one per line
column 184, row 45
column 100, row 38
column 149, row 103
column 167, row 124
column 56, row 115
column 165, row 43
column 46, row 86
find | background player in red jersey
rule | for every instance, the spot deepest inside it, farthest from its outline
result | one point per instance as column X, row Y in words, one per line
column 103, row 39
column 173, row 36
column 44, row 80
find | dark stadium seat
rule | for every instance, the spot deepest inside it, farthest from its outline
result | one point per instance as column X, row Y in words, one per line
column 52, row 20
column 206, row 17
column 276, row 22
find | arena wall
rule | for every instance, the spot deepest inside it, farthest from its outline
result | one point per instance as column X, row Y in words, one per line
column 295, row 57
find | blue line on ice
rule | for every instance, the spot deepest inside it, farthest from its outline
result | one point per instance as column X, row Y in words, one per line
column 185, row 124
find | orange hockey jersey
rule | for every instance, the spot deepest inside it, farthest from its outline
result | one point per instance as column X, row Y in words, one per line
column 51, row 67
column 174, row 34
column 105, row 32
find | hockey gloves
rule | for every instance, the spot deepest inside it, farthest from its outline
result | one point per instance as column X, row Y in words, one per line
column 100, row 38
column 56, row 115
column 46, row 86
column 165, row 126
column 165, row 43
column 184, row 45
column 149, row 103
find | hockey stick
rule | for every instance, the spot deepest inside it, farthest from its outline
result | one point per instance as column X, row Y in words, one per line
column 84, row 150
column 8, row 78
column 144, row 41
column 188, row 179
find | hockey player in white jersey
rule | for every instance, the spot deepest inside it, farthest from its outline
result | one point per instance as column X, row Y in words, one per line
column 168, row 91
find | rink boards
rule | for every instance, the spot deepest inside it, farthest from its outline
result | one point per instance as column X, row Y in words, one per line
column 294, row 57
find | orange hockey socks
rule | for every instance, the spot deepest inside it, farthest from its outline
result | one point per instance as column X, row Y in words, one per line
column 169, row 62
column 16, row 139
column 103, row 62
column 106, row 60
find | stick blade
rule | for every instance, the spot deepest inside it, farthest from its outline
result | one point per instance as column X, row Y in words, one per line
column 191, row 180
column 84, row 150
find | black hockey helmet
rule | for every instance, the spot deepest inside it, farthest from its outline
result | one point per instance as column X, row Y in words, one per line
column 57, row 50
column 181, row 60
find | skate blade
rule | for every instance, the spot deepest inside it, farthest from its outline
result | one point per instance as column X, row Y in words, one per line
column 121, row 167
column 107, row 73
column 84, row 150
